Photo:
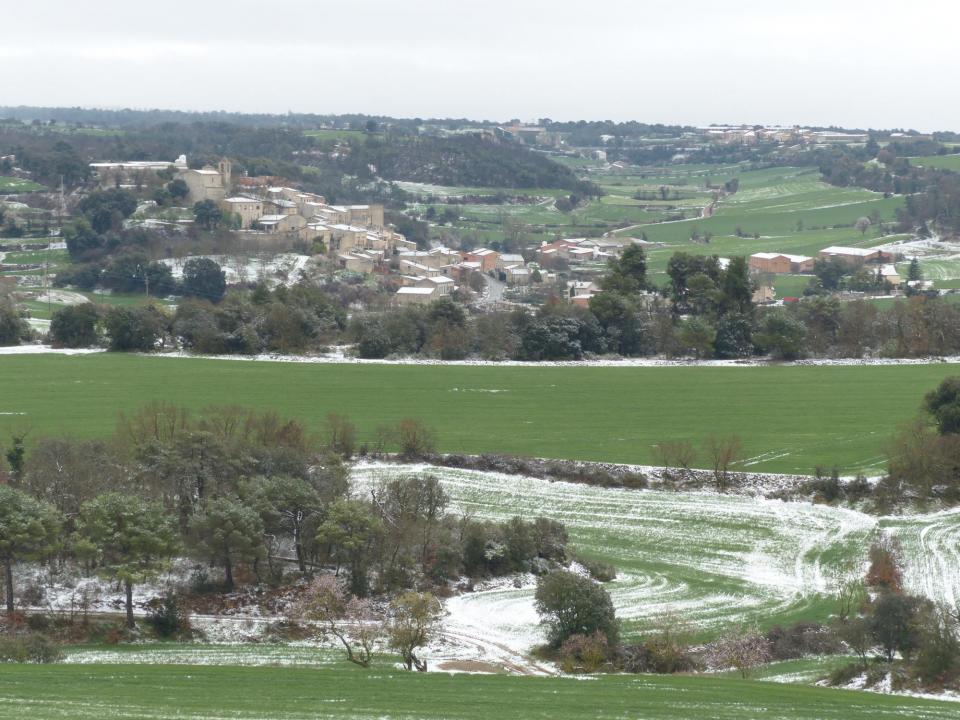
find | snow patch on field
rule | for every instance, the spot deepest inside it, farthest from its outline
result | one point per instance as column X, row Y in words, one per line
column 706, row 558
column 282, row 269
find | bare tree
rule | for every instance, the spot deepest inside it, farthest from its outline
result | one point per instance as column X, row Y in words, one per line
column 351, row 620
column 341, row 434
column 724, row 453
column 862, row 224
column 676, row 454
column 742, row 650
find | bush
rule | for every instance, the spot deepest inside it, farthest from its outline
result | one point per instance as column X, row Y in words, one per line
column 599, row 570
column 167, row 618
column 38, row 623
column 584, row 652
column 844, row 674
column 33, row 648
column 574, row 605
column 801, row 640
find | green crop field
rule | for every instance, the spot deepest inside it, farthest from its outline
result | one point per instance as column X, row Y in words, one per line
column 18, row 185
column 944, row 162
column 326, row 134
column 789, row 418
column 162, row 692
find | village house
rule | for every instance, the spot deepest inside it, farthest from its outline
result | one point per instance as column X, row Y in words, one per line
column 443, row 284
column 509, row 260
column 415, row 295
column 517, row 275
column 283, row 224
column 780, row 263
column 486, row 257
column 249, row 210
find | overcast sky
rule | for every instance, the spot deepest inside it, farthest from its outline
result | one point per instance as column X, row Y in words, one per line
column 875, row 63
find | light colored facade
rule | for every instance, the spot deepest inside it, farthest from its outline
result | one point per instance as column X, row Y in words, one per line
column 509, row 260
column 283, row 224
column 443, row 284
column 249, row 210
column 208, row 183
column 415, row 295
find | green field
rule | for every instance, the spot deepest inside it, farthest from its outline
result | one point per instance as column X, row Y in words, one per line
column 790, row 418
column 327, row 134
column 17, row 185
column 164, row 692
column 944, row 162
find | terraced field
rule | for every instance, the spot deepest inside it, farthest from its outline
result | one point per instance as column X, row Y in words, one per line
column 706, row 561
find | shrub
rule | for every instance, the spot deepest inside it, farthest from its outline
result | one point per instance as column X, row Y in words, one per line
column 573, row 605
column 802, row 639
column 584, row 652
column 32, row 648
column 167, row 618
column 599, row 570
column 844, row 674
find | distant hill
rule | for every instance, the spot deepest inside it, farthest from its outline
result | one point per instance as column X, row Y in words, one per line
column 461, row 161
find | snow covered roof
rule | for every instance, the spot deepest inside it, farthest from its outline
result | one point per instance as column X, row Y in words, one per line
column 240, row 199
column 771, row 256
column 415, row 291
column 511, row 257
column 838, row 250
column 440, row 279
column 271, row 219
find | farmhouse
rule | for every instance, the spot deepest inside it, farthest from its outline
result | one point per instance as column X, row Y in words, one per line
column 780, row 263
column 854, row 257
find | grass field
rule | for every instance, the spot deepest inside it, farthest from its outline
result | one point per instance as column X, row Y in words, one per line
column 162, row 692
column 790, row 418
column 327, row 134
column 18, row 185
column 944, row 162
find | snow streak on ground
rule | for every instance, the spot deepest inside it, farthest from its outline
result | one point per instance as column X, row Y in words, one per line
column 281, row 269
column 701, row 559
column 931, row 544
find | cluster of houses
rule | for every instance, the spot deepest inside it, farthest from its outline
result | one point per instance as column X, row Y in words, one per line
column 580, row 250
column 427, row 275
column 854, row 258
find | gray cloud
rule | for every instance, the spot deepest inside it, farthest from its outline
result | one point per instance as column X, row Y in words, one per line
column 856, row 63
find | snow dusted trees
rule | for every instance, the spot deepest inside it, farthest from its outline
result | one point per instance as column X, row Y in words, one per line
column 575, row 605
column 227, row 532
column 28, row 529
column 128, row 537
column 351, row 620
column 413, row 620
